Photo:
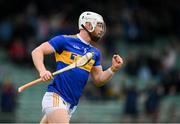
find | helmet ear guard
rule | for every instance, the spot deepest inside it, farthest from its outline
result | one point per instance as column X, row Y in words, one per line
column 94, row 38
column 94, row 19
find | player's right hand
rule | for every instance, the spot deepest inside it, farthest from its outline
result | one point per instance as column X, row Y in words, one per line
column 46, row 75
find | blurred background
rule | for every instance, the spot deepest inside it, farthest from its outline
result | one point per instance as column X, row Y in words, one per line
column 145, row 33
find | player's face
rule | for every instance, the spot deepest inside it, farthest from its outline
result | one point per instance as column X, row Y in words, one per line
column 99, row 30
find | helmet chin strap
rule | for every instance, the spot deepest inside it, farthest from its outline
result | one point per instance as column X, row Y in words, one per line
column 93, row 38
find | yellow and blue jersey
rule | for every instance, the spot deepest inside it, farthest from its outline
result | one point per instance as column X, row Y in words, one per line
column 70, row 84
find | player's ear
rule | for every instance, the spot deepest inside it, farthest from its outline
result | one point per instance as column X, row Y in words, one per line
column 88, row 26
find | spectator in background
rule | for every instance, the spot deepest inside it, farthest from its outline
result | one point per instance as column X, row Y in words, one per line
column 144, row 72
column 154, row 62
column 17, row 51
column 131, row 104
column 169, row 58
column 6, row 31
column 173, row 105
column 8, row 101
column 152, row 102
column 42, row 28
column 131, row 67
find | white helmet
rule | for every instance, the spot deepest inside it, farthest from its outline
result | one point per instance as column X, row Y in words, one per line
column 91, row 17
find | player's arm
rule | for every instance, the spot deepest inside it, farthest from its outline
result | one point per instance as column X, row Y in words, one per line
column 100, row 77
column 38, row 59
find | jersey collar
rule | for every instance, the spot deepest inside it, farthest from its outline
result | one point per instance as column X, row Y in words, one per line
column 82, row 40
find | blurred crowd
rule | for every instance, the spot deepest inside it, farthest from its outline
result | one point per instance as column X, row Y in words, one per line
column 8, row 101
column 26, row 24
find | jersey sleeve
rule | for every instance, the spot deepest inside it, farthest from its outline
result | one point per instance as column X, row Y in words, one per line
column 98, row 59
column 58, row 43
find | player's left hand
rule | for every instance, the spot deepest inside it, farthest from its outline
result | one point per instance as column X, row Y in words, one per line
column 117, row 62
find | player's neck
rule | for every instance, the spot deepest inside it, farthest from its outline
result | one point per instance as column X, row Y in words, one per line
column 85, row 36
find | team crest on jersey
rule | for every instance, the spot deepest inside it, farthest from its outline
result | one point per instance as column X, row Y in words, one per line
column 85, row 50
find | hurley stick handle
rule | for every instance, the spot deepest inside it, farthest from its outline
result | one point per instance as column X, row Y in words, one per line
column 20, row 89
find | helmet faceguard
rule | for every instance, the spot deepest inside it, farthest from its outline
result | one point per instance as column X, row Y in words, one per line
column 94, row 19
